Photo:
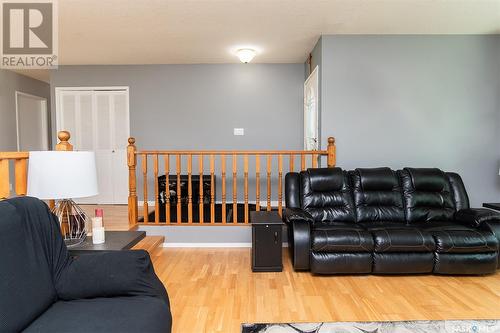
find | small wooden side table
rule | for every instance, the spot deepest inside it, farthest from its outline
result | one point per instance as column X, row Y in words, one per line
column 115, row 241
column 267, row 252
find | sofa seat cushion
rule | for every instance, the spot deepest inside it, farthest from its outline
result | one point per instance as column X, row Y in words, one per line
column 340, row 237
column 451, row 237
column 402, row 239
column 341, row 263
column 464, row 241
column 465, row 263
column 403, row 262
column 117, row 314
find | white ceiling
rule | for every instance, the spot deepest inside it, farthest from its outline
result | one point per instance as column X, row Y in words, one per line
column 282, row 31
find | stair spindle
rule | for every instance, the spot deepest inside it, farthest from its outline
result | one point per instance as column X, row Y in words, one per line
column 223, row 174
column 268, row 208
column 167, row 188
column 145, row 186
column 245, row 175
column 157, row 199
column 190, row 188
column 257, row 182
column 212, row 189
column 200, row 204
column 178, row 171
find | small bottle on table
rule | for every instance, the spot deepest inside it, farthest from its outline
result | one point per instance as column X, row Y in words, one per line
column 98, row 235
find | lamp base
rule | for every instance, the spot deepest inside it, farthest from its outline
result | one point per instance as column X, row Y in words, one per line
column 72, row 221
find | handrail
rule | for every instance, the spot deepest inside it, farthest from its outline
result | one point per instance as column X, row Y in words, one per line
column 20, row 173
column 223, row 157
column 14, row 155
column 20, row 159
column 233, row 152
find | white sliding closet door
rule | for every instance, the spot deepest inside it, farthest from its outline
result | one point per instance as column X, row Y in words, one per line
column 99, row 121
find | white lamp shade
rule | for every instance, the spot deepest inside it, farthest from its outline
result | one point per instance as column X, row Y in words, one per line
column 62, row 174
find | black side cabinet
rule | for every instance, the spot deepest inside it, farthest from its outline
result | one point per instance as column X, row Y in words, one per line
column 266, row 242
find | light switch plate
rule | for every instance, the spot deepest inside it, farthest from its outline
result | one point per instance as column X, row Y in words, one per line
column 239, row 131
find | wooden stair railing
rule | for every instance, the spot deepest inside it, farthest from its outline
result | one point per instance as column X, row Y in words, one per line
column 178, row 156
column 20, row 182
column 20, row 161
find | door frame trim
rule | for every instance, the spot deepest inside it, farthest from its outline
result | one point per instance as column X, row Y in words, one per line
column 45, row 120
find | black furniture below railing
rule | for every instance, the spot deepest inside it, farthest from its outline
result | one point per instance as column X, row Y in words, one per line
column 267, row 253
column 44, row 289
column 183, row 186
column 381, row 221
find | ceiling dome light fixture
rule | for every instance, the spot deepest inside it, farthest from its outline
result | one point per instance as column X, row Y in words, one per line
column 246, row 55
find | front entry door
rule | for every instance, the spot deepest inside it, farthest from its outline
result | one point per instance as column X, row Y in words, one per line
column 311, row 107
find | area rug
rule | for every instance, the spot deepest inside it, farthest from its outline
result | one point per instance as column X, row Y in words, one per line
column 432, row 326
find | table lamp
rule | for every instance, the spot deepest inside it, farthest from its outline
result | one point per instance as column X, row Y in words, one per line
column 64, row 176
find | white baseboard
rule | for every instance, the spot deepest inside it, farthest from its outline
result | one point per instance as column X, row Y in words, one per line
column 207, row 244
column 215, row 245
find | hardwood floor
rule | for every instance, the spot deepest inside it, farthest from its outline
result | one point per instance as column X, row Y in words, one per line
column 115, row 216
column 214, row 290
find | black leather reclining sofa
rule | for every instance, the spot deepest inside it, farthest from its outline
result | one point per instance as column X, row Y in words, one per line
column 381, row 221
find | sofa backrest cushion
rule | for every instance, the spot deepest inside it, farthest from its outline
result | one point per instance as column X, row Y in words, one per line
column 377, row 195
column 427, row 195
column 26, row 257
column 460, row 196
column 326, row 195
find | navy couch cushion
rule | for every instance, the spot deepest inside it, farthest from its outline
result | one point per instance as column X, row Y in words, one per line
column 96, row 315
column 37, row 274
column 27, row 254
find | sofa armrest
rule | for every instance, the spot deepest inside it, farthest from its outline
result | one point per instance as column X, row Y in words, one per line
column 296, row 214
column 109, row 274
column 299, row 236
column 476, row 217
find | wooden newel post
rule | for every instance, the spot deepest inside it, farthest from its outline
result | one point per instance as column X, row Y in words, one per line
column 63, row 145
column 132, row 183
column 331, row 152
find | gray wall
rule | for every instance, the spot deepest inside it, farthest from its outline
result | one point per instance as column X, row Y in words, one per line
column 389, row 101
column 208, row 235
column 11, row 82
column 197, row 106
column 422, row 101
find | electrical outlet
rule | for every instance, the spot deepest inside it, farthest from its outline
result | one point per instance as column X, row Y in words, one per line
column 239, row 131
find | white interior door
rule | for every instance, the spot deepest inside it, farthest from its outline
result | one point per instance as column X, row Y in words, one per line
column 98, row 120
column 31, row 116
